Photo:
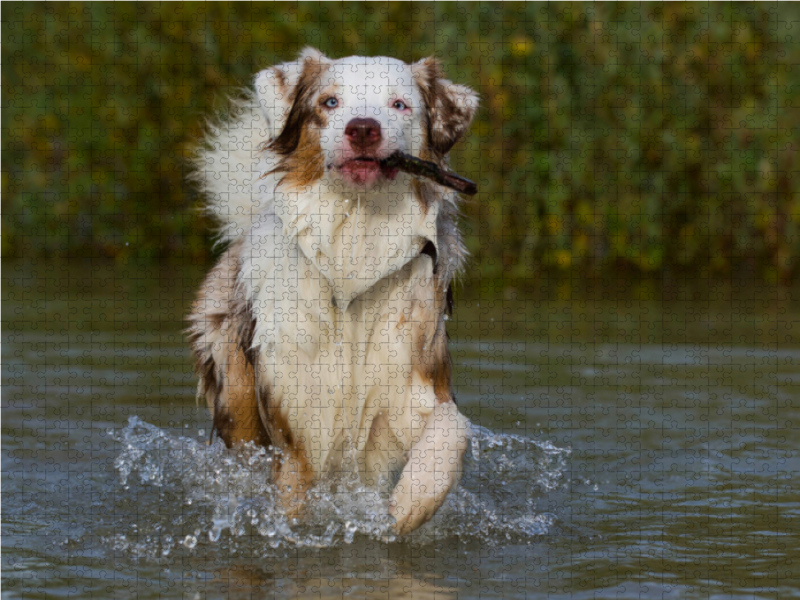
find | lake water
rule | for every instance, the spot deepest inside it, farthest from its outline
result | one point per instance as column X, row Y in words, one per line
column 638, row 441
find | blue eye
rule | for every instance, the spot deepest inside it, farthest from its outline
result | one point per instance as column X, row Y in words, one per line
column 331, row 103
column 400, row 105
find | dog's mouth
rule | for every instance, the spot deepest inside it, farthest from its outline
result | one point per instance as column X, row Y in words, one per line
column 366, row 170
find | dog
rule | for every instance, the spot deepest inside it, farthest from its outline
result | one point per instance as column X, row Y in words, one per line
column 321, row 330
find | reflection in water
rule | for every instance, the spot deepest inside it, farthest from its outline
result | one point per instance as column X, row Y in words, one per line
column 360, row 570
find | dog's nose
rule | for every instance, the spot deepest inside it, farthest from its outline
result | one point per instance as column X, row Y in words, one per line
column 363, row 134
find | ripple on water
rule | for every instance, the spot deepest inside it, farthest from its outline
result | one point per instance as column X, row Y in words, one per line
column 190, row 494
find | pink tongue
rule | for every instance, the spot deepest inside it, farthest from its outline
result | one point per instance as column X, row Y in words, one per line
column 367, row 172
column 361, row 170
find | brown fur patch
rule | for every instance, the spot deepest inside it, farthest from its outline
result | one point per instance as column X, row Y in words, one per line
column 294, row 475
column 221, row 331
column 435, row 365
column 298, row 143
column 432, row 355
column 306, row 165
column 447, row 120
column 303, row 112
column 244, row 421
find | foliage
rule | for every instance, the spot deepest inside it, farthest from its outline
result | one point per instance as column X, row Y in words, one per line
column 646, row 136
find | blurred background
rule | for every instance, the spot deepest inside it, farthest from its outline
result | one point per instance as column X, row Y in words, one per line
column 626, row 341
column 644, row 139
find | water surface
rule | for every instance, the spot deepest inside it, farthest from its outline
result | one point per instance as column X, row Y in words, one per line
column 639, row 441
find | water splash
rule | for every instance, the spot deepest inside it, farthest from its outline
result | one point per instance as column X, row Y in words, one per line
column 191, row 495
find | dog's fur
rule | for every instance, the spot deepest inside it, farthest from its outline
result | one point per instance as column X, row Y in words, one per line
column 321, row 330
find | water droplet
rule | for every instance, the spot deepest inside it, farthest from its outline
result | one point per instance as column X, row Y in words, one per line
column 166, row 546
column 349, row 532
column 267, row 531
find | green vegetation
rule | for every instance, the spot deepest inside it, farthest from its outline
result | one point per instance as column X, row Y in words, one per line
column 647, row 137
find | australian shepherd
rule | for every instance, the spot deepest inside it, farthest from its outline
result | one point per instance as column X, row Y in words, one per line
column 321, row 330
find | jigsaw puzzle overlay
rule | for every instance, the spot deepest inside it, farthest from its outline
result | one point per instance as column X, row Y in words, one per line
column 262, row 339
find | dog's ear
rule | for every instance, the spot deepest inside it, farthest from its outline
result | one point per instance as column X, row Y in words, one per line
column 450, row 106
column 276, row 88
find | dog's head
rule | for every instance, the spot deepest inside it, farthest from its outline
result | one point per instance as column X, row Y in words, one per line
column 340, row 118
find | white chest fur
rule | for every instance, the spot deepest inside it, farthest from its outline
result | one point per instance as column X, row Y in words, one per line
column 342, row 299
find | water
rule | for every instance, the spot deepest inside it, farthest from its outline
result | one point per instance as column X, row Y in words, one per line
column 638, row 442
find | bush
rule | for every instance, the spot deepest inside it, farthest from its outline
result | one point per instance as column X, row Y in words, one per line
column 651, row 137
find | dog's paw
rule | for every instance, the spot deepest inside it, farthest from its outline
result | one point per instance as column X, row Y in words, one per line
column 432, row 469
column 416, row 498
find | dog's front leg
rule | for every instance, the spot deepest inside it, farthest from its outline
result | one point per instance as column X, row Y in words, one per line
column 293, row 477
column 432, row 468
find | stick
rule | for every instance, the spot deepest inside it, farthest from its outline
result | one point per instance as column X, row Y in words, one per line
column 423, row 168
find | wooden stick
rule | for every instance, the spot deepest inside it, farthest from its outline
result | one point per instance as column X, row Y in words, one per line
column 423, row 168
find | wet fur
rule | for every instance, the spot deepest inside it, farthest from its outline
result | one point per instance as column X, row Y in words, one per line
column 315, row 333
